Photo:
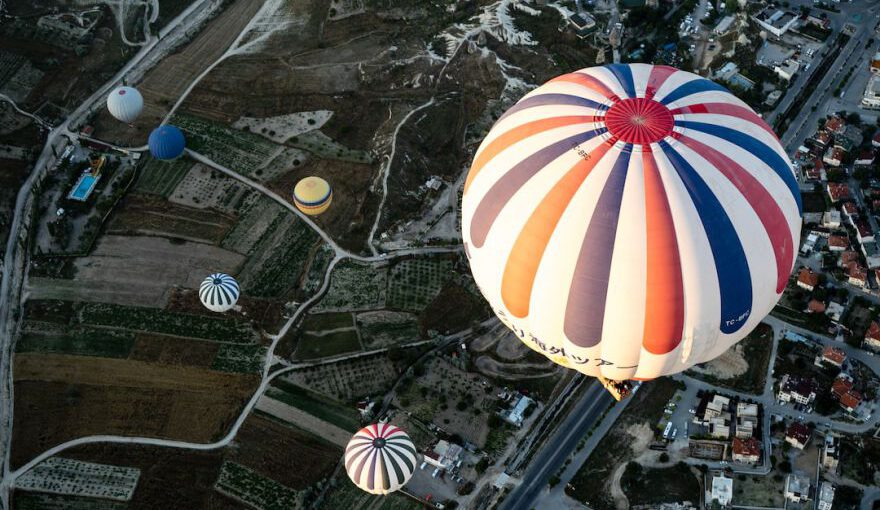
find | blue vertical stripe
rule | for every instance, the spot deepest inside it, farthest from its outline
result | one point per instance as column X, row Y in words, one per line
column 731, row 265
column 751, row 144
column 623, row 73
column 585, row 308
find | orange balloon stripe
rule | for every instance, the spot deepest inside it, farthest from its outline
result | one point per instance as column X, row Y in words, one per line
column 589, row 82
column 664, row 306
column 516, row 135
column 525, row 257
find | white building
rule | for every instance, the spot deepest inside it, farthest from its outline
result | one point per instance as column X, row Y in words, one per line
column 797, row 488
column 516, row 413
column 787, row 69
column 871, row 97
column 723, row 26
column 826, row 496
column 775, row 21
column 444, row 455
column 722, row 490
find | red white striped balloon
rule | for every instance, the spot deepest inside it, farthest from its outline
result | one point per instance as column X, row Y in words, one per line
column 630, row 221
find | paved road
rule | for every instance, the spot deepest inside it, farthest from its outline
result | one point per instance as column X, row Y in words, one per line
column 558, row 447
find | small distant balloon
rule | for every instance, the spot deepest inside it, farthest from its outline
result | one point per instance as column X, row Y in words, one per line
column 166, row 142
column 125, row 104
column 380, row 458
column 312, row 195
column 219, row 292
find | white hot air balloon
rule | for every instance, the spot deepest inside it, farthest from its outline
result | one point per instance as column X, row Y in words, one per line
column 125, row 104
column 219, row 292
column 380, row 458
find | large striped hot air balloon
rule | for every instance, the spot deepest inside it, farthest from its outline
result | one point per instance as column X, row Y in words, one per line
column 380, row 458
column 630, row 221
column 219, row 292
column 125, row 104
column 312, row 195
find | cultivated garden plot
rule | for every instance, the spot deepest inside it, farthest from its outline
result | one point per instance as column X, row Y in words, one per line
column 414, row 283
column 281, row 127
column 161, row 177
column 384, row 328
column 278, row 263
column 257, row 216
column 257, row 491
column 348, row 380
column 355, row 286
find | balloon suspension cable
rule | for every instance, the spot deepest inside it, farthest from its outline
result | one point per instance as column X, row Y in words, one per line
column 618, row 389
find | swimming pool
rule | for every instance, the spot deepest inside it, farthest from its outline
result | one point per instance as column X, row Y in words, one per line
column 83, row 187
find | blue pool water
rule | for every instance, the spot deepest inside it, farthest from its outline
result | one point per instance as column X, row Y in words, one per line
column 83, row 187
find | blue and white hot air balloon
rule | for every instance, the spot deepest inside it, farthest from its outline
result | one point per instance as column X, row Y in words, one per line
column 631, row 221
column 219, row 292
column 166, row 142
column 125, row 104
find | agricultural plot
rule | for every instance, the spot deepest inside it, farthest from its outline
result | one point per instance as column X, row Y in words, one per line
column 344, row 417
column 135, row 318
column 257, row 216
column 317, row 322
column 282, row 261
column 243, row 358
column 235, row 149
column 323, row 146
column 347, row 495
column 355, row 287
column 323, row 345
column 206, row 188
column 317, row 270
column 255, row 490
column 37, row 501
column 348, row 380
column 414, row 283
column 145, row 214
column 281, row 127
column 384, row 328
column 67, row 476
column 161, row 177
column 80, row 340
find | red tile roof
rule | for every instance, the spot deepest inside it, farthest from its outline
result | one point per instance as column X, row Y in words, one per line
column 834, row 124
column 850, row 208
column 840, row 387
column 838, row 241
column 873, row 331
column 747, row 447
column 851, row 399
column 866, row 156
column 799, row 432
column 834, row 354
column 816, row 306
column 837, row 191
column 808, row 277
column 855, row 271
column 847, row 257
column 864, row 229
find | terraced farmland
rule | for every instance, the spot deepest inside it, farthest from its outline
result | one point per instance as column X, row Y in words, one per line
column 285, row 257
column 239, row 358
column 257, row 491
column 161, row 177
column 235, row 149
column 355, row 287
column 414, row 283
column 80, row 340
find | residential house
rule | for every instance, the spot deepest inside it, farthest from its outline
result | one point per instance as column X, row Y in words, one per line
column 516, row 413
column 746, row 420
column 746, row 451
column 825, row 497
column 797, row 488
column 842, row 391
column 831, row 355
column 775, row 21
column 865, row 158
column 857, row 275
column 872, row 336
column 834, row 156
column 444, row 455
column 838, row 242
column 847, row 257
column 837, row 191
column 863, row 230
column 875, row 63
column 722, row 490
column 850, row 209
column 816, row 306
column 831, row 219
column 807, row 279
column 582, row 24
column 793, row 388
column 835, row 125
column 798, row 435
column 830, row 454
column 834, row 310
column 810, row 243
column 871, row 253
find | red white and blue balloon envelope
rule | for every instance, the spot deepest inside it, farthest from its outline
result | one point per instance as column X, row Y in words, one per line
column 380, row 458
column 630, row 221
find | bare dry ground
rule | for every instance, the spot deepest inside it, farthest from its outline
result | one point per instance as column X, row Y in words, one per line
column 166, row 82
column 137, row 270
column 60, row 397
column 140, row 214
column 303, row 419
column 168, row 350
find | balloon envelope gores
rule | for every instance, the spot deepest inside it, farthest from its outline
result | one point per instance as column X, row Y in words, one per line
column 166, row 142
column 125, row 104
column 219, row 292
column 380, row 458
column 631, row 221
column 312, row 195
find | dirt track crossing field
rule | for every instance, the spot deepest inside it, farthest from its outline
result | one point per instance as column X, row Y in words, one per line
column 64, row 397
column 137, row 271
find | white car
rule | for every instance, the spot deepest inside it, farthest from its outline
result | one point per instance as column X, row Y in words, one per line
column 692, row 411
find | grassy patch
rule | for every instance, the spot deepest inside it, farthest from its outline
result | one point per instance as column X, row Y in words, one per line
column 653, row 486
column 243, row 358
column 138, row 318
column 255, row 490
column 81, row 341
column 162, row 177
column 757, row 348
column 343, row 417
column 413, row 284
column 753, row 490
column 327, row 321
column 314, row 346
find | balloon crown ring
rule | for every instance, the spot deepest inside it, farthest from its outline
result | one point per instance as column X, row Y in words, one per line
column 379, row 442
column 639, row 120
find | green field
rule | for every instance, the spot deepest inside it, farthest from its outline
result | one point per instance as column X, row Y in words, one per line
column 256, row 490
column 136, row 318
column 256, row 217
column 161, row 177
column 414, row 283
column 238, row 150
column 37, row 501
column 326, row 321
column 313, row 346
column 344, row 417
column 243, row 358
column 81, row 341
column 281, row 272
